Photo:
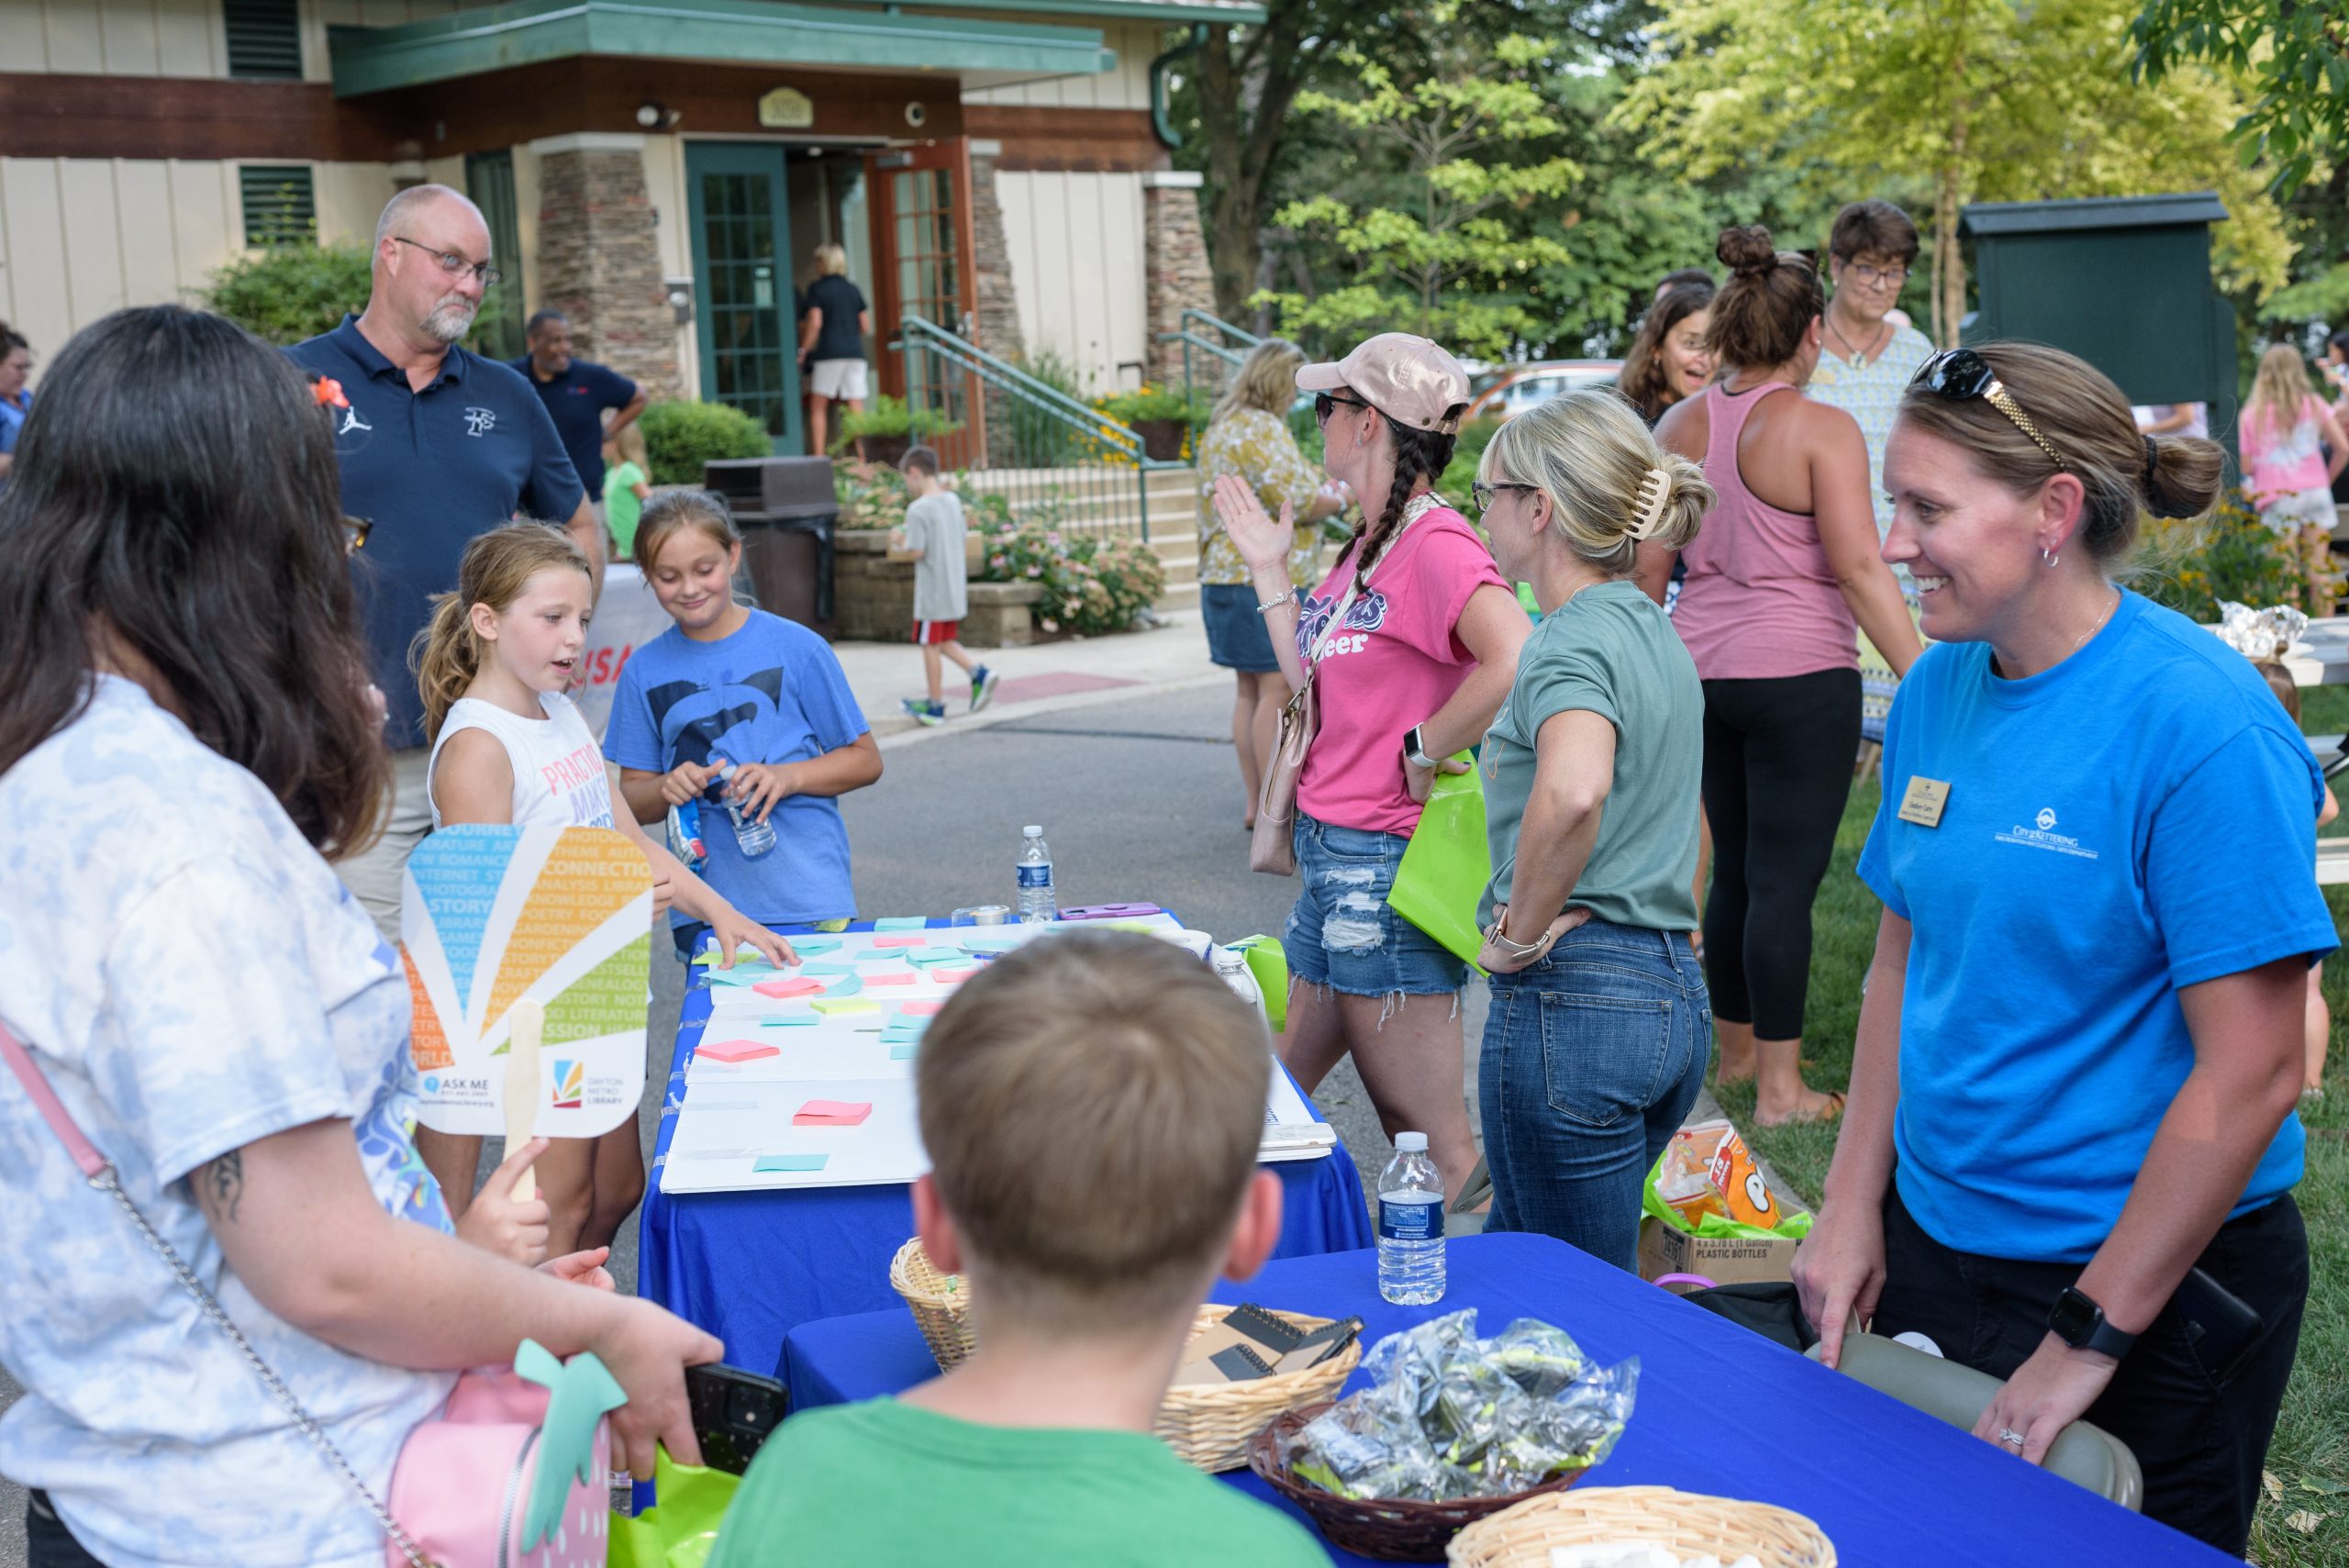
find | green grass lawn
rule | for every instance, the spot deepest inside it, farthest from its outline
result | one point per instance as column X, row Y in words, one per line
column 2310, row 1455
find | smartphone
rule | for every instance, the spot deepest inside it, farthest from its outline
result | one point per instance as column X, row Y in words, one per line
column 733, row 1411
column 2220, row 1325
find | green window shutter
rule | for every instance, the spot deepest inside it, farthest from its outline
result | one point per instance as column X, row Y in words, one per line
column 264, row 39
column 489, row 180
column 281, row 208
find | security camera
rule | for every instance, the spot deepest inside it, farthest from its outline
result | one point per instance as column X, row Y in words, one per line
column 917, row 114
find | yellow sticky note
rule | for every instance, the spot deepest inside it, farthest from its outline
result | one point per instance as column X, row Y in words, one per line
column 836, row 1005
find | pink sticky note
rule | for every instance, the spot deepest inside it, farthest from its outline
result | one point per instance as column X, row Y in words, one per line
column 737, row 1051
column 889, row 980
column 952, row 976
column 879, row 943
column 782, row 988
column 832, row 1113
column 920, row 1009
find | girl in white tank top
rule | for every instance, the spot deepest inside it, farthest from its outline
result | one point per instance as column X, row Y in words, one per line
column 496, row 659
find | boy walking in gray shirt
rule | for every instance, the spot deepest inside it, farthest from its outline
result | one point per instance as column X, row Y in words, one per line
column 932, row 536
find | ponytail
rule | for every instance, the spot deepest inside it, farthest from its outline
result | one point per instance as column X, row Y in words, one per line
column 447, row 658
column 448, row 653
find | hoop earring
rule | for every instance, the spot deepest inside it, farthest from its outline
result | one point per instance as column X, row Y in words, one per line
column 2048, row 558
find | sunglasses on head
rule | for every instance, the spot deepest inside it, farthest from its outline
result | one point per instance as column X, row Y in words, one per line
column 1325, row 404
column 1959, row 374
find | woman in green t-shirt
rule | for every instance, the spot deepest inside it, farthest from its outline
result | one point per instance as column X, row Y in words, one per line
column 1595, row 1047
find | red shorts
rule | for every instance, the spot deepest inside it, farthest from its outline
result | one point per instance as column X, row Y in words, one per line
column 936, row 631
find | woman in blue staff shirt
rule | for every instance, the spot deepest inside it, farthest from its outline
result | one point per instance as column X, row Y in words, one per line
column 2071, row 1135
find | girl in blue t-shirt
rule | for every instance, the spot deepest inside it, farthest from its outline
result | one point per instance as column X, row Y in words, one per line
column 730, row 683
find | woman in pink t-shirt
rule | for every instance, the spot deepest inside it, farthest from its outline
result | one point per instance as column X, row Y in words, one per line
column 1421, row 655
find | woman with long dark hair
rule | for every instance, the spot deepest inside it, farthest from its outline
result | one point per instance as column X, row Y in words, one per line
column 1416, row 638
column 1670, row 359
column 186, row 736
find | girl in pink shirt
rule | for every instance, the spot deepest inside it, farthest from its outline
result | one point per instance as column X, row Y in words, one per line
column 2286, row 434
column 1415, row 638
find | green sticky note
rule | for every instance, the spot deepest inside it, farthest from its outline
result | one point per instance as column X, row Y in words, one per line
column 742, row 953
column 903, row 1053
column 789, row 1021
column 833, row 1007
column 790, row 1163
column 901, row 923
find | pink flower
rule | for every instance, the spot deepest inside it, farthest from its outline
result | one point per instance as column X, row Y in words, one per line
column 1034, row 570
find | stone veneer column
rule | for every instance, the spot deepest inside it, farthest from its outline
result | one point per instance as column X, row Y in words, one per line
column 598, row 260
column 1174, row 263
column 991, row 255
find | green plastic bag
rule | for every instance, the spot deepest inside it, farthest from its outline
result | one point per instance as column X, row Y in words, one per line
column 1442, row 880
column 679, row 1530
column 1268, row 965
column 1794, row 1228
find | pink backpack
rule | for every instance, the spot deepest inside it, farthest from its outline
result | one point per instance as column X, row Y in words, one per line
column 511, row 1474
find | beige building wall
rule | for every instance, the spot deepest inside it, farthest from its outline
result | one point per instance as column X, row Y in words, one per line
column 1127, row 86
column 1075, row 242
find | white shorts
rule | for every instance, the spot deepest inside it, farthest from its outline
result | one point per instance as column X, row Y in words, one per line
column 839, row 379
column 2299, row 509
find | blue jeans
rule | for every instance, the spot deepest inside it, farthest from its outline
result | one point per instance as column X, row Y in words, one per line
column 1591, row 1059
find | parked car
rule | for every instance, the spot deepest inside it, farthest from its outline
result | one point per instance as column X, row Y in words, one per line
column 1522, row 387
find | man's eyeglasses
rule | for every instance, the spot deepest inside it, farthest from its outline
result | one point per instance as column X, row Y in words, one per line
column 1324, row 403
column 354, row 534
column 1958, row 374
column 452, row 263
column 1875, row 277
column 1483, row 494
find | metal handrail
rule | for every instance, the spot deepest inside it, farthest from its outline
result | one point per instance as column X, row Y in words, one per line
column 1247, row 339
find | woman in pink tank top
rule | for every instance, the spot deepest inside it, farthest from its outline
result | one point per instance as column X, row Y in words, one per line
column 1781, row 576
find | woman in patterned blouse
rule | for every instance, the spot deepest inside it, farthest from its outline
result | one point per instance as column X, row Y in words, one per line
column 1249, row 438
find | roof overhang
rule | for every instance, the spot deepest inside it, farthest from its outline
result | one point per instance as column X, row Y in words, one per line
column 745, row 32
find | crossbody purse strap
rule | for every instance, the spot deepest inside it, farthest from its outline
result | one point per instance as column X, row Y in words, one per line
column 100, row 1174
column 1420, row 506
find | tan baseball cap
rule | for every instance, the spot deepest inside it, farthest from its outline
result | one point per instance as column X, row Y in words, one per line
column 1410, row 380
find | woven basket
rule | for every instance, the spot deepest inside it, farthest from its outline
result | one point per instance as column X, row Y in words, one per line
column 1688, row 1522
column 941, row 1303
column 1208, row 1424
column 1396, row 1530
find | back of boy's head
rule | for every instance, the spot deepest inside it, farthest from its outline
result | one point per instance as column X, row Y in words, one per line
column 918, row 459
column 1092, row 1105
column 2280, row 681
column 672, row 511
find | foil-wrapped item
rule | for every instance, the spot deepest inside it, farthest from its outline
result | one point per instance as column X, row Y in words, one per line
column 2260, row 635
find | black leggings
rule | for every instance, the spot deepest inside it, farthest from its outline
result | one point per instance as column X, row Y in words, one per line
column 1778, row 757
column 48, row 1543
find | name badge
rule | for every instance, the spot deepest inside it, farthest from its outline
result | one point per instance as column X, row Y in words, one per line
column 1924, row 802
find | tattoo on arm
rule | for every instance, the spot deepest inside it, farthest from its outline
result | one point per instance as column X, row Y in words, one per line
column 220, row 1187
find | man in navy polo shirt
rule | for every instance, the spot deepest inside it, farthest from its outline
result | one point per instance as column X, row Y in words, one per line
column 438, row 445
column 576, row 393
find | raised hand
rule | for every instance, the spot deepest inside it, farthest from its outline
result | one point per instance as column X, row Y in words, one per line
column 1262, row 542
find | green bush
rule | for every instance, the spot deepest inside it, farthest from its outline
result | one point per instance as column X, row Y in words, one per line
column 892, row 416
column 681, row 437
column 1156, row 402
column 287, row 293
column 2191, row 565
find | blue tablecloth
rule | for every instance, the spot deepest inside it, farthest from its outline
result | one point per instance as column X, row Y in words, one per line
column 749, row 1266
column 1720, row 1410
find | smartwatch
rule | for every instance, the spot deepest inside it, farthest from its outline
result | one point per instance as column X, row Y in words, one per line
column 2079, row 1323
column 1415, row 753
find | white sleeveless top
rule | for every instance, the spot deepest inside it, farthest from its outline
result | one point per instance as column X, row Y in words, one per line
column 559, row 778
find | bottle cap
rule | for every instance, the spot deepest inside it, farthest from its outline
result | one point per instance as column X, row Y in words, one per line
column 1032, row 832
column 1410, row 1144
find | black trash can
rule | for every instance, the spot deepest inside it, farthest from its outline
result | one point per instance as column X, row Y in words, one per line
column 787, row 511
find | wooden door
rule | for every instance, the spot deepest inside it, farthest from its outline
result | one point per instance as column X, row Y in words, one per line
column 922, row 251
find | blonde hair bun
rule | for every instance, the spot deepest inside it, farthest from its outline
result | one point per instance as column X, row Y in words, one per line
column 1610, row 487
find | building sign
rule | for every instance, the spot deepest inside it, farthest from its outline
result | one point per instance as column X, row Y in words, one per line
column 786, row 108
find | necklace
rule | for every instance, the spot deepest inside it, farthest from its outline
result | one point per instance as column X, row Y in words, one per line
column 1859, row 356
column 2092, row 630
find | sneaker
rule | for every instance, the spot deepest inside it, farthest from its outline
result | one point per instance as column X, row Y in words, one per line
column 983, row 682
column 926, row 713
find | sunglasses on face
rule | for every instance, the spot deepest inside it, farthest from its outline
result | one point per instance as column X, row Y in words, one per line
column 1960, row 374
column 1483, row 494
column 1325, row 403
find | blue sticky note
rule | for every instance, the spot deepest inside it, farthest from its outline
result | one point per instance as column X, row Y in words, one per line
column 901, row 923
column 740, row 974
column 903, row 1052
column 897, row 1034
column 790, row 1163
column 804, row 945
column 827, row 969
column 789, row 1021
column 846, row 985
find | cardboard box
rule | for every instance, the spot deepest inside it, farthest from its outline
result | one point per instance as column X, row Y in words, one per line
column 1724, row 1259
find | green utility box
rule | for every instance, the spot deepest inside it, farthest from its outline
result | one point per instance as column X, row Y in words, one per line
column 2123, row 281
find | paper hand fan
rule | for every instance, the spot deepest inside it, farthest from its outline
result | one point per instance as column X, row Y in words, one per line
column 505, row 925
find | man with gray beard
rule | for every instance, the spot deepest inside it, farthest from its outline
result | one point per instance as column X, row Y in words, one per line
column 435, row 445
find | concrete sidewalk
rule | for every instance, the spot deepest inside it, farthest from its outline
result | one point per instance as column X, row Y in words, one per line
column 1043, row 677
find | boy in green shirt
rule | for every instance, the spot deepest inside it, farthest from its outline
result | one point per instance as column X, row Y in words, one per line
column 1092, row 1105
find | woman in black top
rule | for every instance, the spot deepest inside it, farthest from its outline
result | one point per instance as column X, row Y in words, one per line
column 831, row 337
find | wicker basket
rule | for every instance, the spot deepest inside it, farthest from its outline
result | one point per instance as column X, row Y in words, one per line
column 1398, row 1529
column 1688, row 1522
column 1210, row 1425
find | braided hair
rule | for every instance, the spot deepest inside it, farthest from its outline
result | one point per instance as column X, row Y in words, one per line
column 1418, row 454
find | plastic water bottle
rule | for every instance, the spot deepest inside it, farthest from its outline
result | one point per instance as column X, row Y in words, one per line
column 684, row 835
column 1036, row 902
column 753, row 836
column 1410, row 1225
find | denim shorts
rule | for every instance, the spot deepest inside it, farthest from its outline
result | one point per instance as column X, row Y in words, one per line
column 1591, row 1058
column 1236, row 636
column 1341, row 934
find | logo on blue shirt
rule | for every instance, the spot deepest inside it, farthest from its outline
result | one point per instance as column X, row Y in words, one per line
column 480, row 421
column 351, row 421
